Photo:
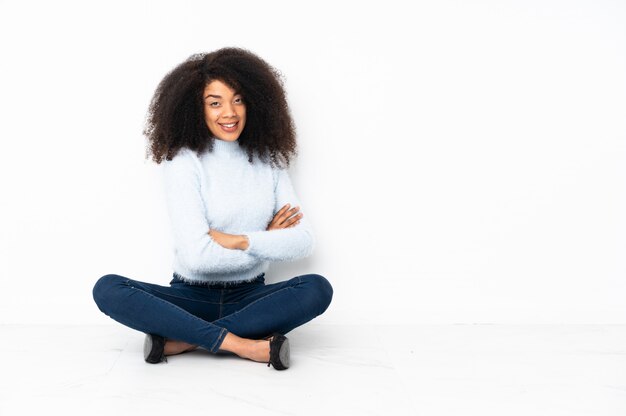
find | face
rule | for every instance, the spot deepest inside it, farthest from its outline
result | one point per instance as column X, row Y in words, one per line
column 224, row 111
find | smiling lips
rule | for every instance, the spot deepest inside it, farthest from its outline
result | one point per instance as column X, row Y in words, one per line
column 229, row 127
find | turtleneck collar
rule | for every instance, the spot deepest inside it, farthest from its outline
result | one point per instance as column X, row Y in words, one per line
column 225, row 147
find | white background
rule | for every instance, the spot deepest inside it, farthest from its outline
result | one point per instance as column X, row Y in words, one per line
column 461, row 161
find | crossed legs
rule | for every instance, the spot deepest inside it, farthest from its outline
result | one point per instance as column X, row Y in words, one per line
column 233, row 319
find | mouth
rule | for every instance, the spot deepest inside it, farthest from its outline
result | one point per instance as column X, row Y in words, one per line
column 229, row 127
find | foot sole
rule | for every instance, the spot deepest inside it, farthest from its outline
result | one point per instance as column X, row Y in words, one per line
column 285, row 353
column 153, row 349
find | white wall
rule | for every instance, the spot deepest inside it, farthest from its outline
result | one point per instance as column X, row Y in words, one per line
column 461, row 162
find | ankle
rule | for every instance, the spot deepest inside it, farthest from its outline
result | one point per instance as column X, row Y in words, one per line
column 260, row 351
column 252, row 349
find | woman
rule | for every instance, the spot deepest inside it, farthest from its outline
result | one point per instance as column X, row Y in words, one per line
column 220, row 128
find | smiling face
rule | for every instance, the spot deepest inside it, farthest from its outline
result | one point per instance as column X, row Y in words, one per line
column 224, row 111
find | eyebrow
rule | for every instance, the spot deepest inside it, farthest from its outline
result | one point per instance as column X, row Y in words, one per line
column 219, row 96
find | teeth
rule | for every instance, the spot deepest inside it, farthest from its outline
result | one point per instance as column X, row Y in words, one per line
column 229, row 125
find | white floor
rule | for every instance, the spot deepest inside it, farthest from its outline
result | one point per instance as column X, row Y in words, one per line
column 336, row 370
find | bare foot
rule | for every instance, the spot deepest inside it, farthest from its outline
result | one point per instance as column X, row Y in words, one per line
column 173, row 347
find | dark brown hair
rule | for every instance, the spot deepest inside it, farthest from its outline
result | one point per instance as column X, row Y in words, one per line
column 176, row 114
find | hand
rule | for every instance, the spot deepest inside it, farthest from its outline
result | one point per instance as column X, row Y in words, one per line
column 285, row 218
column 231, row 241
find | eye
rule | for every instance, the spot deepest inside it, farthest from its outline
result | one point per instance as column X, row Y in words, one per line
column 238, row 100
column 214, row 104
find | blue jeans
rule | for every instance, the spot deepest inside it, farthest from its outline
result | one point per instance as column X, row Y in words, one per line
column 203, row 314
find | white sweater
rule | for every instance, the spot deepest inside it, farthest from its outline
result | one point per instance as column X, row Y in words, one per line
column 221, row 190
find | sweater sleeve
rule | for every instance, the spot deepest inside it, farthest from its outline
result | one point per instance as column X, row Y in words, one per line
column 289, row 243
column 194, row 247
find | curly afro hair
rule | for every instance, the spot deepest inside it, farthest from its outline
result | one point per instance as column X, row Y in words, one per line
column 176, row 113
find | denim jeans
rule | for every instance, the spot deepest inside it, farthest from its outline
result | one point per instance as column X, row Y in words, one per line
column 203, row 314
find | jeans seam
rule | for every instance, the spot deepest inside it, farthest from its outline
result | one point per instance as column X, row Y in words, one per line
column 173, row 296
column 296, row 297
column 218, row 340
column 260, row 299
column 219, row 315
column 173, row 306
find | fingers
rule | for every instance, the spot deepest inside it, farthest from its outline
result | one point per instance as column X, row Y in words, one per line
column 290, row 217
column 285, row 213
column 293, row 220
column 286, row 217
column 278, row 216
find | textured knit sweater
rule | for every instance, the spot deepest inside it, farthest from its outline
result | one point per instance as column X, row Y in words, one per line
column 221, row 190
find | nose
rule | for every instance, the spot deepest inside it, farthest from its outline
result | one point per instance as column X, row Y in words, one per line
column 229, row 110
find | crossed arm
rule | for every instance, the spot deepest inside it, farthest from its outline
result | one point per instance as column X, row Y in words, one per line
column 202, row 249
column 284, row 218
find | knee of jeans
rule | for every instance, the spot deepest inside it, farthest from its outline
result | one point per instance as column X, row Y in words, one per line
column 323, row 290
column 102, row 290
